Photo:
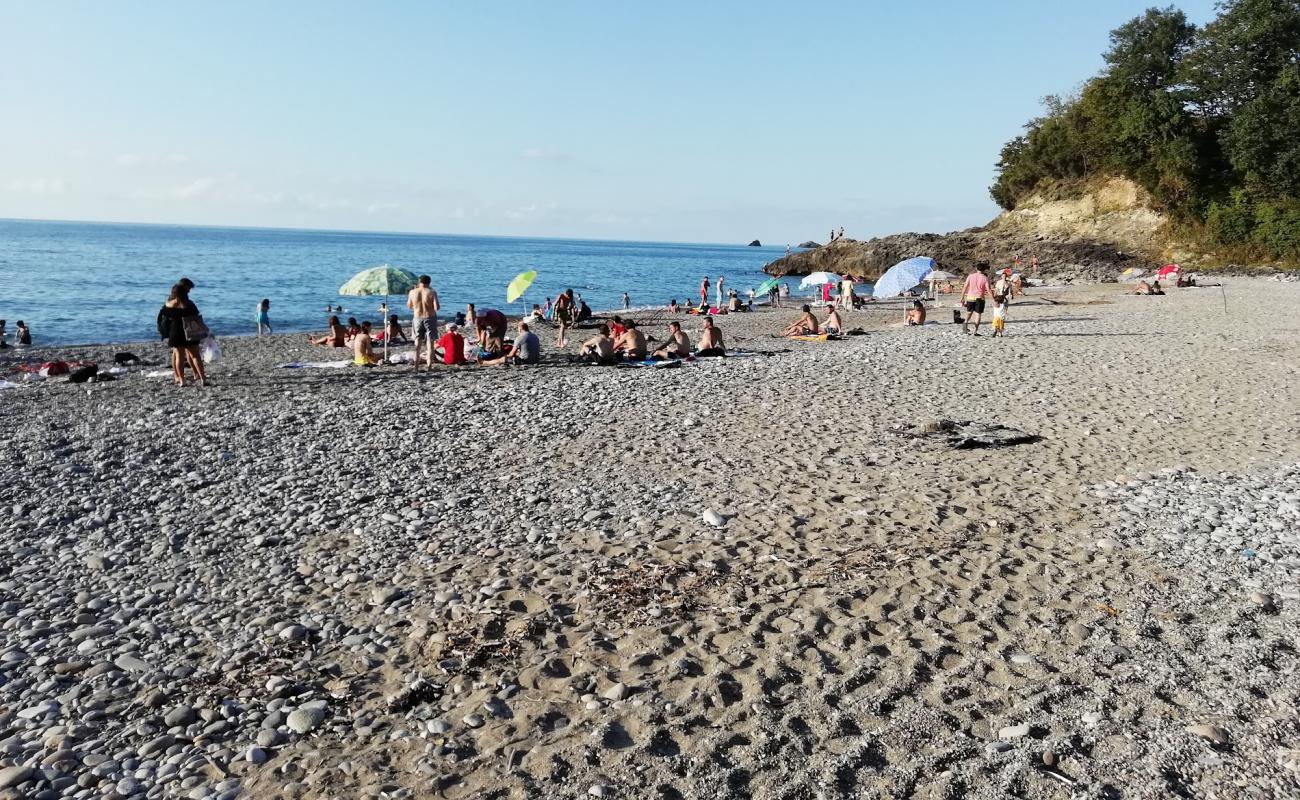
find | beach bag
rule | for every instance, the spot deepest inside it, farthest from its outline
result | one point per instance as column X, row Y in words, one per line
column 194, row 328
column 210, row 350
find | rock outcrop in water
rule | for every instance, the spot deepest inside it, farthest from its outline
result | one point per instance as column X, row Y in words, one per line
column 756, row 243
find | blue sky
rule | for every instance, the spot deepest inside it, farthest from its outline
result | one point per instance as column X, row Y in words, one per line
column 676, row 121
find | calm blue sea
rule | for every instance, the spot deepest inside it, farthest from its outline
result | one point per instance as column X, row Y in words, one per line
column 76, row 282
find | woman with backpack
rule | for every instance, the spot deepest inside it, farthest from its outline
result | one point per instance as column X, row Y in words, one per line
column 181, row 325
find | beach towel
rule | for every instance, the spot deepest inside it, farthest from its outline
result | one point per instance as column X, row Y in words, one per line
column 669, row 364
column 4, row 384
column 820, row 337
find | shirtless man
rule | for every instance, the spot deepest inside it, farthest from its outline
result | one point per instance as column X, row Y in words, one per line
column 710, row 341
column 632, row 343
column 833, row 322
column 424, row 306
column 972, row 295
column 599, row 349
column 677, row 346
column 806, row 325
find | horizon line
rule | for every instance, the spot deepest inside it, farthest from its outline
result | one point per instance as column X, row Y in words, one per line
column 213, row 226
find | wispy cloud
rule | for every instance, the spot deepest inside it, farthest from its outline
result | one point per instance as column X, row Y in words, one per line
column 39, row 186
column 195, row 188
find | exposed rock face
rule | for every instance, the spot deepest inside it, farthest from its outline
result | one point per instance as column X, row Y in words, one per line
column 958, row 252
column 756, row 243
column 1093, row 235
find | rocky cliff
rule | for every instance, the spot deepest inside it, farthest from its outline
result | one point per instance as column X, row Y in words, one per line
column 1089, row 233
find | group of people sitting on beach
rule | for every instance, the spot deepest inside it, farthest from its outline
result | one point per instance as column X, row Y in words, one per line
column 807, row 324
column 623, row 341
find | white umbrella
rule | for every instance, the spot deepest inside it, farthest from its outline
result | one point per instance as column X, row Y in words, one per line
column 819, row 279
column 937, row 276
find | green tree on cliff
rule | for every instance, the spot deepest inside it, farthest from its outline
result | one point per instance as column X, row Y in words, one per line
column 1206, row 120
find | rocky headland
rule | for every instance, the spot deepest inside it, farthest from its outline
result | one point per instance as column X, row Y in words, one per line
column 1089, row 235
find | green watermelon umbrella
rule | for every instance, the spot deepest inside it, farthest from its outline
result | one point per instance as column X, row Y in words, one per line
column 383, row 280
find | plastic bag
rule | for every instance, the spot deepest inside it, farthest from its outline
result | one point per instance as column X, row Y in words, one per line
column 210, row 350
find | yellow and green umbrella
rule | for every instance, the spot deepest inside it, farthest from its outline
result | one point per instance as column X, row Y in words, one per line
column 520, row 285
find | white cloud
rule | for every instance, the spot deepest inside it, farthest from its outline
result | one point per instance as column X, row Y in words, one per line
column 194, row 188
column 39, row 186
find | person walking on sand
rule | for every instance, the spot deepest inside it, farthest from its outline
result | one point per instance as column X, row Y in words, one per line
column 181, row 325
column 718, row 292
column 262, row 316
column 424, row 306
column 565, row 312
column 972, row 295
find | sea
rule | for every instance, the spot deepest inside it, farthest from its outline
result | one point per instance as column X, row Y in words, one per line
column 81, row 282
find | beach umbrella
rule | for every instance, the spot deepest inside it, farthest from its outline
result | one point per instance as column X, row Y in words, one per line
column 383, row 280
column 819, row 279
column 520, row 285
column 903, row 276
column 937, row 276
column 1167, row 270
column 766, row 286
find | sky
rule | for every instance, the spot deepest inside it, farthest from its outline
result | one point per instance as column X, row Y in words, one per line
column 667, row 121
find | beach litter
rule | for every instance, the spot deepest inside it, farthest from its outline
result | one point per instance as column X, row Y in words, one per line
column 970, row 435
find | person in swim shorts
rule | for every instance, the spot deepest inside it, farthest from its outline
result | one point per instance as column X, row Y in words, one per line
column 424, row 305
column 972, row 296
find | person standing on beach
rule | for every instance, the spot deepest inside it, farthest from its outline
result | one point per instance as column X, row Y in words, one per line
column 180, row 324
column 263, row 316
column 424, row 306
column 972, row 295
column 627, row 301
column 546, row 310
column 718, row 292
column 704, row 291
column 565, row 311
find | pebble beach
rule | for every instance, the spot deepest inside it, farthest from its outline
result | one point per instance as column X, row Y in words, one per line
column 776, row 576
